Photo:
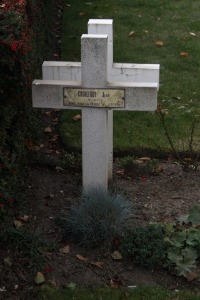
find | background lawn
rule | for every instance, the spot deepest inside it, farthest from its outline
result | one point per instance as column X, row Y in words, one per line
column 174, row 23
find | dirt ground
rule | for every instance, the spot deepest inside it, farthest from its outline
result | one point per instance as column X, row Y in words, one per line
column 50, row 190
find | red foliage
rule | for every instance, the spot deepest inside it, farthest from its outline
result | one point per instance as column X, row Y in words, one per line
column 14, row 26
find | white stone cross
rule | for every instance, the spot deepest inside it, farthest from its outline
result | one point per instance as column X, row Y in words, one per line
column 88, row 82
column 119, row 72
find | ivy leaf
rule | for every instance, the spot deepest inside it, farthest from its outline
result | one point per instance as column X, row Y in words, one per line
column 194, row 215
column 193, row 238
column 178, row 239
column 174, row 255
column 183, row 219
column 188, row 263
column 169, row 228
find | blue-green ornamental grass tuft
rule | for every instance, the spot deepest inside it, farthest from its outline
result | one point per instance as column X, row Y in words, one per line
column 99, row 216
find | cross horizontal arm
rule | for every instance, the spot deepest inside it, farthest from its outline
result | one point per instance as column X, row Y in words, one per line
column 138, row 96
column 119, row 72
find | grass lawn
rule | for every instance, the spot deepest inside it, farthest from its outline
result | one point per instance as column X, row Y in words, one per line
column 146, row 293
column 174, row 23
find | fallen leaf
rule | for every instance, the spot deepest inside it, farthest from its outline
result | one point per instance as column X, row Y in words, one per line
column 47, row 269
column 24, row 218
column 80, row 257
column 48, row 255
column 81, row 13
column 48, row 129
column 48, row 113
column 98, row 264
column 17, row 223
column 64, row 250
column 143, row 178
column 39, row 278
column 7, row 261
column 145, row 158
column 115, row 282
column 159, row 108
column 55, row 120
column 77, row 117
column 138, row 161
column 159, row 43
column 116, row 255
column 131, row 33
column 188, row 159
column 72, row 286
column 120, row 172
column 192, row 275
column 184, row 54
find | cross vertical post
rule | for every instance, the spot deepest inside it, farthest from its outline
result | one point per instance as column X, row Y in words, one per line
column 94, row 120
column 106, row 27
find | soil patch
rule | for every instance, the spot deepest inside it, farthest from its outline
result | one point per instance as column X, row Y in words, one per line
column 51, row 190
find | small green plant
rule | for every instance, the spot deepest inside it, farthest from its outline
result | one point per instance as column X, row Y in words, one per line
column 188, row 146
column 97, row 217
column 26, row 245
column 145, row 245
column 183, row 240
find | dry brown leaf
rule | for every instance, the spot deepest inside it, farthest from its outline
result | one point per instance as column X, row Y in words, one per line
column 17, row 223
column 115, row 283
column 159, row 43
column 120, row 172
column 184, row 54
column 24, row 218
column 98, row 264
column 145, row 158
column 77, row 117
column 188, row 159
column 116, row 255
column 131, row 33
column 80, row 257
column 39, row 278
column 64, row 250
column 138, row 161
column 81, row 13
column 48, row 255
column 48, row 129
column 48, row 113
column 192, row 275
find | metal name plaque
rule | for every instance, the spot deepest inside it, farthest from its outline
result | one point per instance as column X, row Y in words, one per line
column 107, row 98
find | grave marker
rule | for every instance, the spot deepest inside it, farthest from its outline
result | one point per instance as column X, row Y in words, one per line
column 97, row 96
column 115, row 72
